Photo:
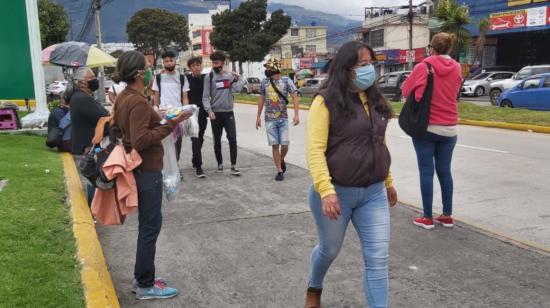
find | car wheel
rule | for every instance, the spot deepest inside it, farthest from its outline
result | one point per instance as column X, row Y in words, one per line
column 506, row 104
column 244, row 91
column 494, row 95
column 479, row 91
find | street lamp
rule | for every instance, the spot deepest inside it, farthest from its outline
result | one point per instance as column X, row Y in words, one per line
column 219, row 1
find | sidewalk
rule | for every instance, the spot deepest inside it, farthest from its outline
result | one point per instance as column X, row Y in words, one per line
column 246, row 242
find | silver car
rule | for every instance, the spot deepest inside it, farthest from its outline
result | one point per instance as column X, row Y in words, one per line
column 479, row 85
column 251, row 85
column 311, row 87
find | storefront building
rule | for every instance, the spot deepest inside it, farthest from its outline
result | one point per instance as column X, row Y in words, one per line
column 519, row 34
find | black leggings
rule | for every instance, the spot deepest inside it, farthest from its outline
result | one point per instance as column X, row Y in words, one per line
column 225, row 120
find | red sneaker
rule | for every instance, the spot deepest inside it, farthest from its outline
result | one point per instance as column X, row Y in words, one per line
column 445, row 221
column 426, row 223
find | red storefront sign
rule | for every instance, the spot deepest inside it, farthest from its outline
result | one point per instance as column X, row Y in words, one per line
column 206, row 45
column 306, row 62
column 508, row 20
column 419, row 55
column 548, row 15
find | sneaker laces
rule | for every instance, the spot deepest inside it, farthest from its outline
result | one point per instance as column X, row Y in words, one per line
column 161, row 284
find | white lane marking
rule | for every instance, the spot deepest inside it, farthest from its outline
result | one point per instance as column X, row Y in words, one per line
column 470, row 147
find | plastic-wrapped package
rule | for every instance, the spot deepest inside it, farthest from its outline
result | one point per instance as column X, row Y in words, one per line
column 191, row 125
column 170, row 171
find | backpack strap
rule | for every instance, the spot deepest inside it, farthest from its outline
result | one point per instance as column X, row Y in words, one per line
column 157, row 77
column 285, row 99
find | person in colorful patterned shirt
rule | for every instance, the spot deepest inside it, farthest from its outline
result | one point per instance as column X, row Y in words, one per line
column 275, row 93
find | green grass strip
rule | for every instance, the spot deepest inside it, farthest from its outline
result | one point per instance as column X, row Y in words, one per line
column 37, row 259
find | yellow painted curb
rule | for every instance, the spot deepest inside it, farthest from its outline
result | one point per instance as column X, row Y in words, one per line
column 502, row 125
column 20, row 102
column 521, row 127
column 96, row 279
column 490, row 232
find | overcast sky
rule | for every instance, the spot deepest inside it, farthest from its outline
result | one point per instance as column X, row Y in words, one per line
column 353, row 9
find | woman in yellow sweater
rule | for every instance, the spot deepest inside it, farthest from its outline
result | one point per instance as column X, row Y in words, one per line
column 350, row 165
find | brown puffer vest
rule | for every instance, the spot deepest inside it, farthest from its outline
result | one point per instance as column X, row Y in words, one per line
column 356, row 153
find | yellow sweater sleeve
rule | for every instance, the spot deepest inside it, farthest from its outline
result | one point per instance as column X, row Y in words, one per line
column 318, row 124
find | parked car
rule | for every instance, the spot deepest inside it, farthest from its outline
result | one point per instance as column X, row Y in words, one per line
column 251, row 85
column 497, row 87
column 479, row 85
column 311, row 87
column 56, row 87
column 532, row 93
column 390, row 84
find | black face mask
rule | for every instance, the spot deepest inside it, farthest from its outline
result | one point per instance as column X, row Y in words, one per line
column 217, row 69
column 270, row 73
column 93, row 84
column 170, row 68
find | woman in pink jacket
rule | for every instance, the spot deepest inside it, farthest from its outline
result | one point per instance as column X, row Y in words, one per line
column 437, row 145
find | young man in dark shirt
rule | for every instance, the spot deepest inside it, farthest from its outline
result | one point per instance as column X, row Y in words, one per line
column 196, row 84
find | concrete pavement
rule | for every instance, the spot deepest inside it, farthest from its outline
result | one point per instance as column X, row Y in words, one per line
column 246, row 242
column 501, row 176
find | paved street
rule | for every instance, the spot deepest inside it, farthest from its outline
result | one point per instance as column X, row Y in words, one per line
column 501, row 176
column 246, row 242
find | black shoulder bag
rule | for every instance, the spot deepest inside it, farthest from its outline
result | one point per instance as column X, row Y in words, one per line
column 285, row 99
column 415, row 116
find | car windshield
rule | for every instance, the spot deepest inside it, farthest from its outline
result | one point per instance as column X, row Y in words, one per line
column 524, row 73
column 481, row 76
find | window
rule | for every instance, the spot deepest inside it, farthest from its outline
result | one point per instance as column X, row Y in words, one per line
column 196, row 34
column 500, row 76
column 382, row 80
column 312, row 83
column 197, row 47
column 547, row 82
column 311, row 48
column 392, row 80
column 376, row 38
column 294, row 32
column 481, row 76
column 541, row 70
column 311, row 33
column 531, row 83
column 524, row 73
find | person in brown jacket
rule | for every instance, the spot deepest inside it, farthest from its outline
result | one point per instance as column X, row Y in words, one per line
column 142, row 129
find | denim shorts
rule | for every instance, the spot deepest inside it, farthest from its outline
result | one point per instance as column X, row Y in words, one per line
column 277, row 132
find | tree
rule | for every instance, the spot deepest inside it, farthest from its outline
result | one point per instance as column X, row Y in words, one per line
column 245, row 33
column 158, row 29
column 484, row 26
column 54, row 23
column 117, row 53
column 454, row 18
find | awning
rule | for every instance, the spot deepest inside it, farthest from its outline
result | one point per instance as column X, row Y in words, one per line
column 319, row 65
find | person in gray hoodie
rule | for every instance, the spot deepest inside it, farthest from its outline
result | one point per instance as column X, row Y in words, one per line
column 217, row 99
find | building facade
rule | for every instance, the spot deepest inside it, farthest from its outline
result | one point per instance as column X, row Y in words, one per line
column 301, row 47
column 386, row 30
column 200, row 28
column 518, row 35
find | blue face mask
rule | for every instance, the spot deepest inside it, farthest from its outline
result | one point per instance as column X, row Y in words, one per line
column 365, row 77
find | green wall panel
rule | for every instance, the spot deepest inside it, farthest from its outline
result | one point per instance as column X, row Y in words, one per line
column 16, row 80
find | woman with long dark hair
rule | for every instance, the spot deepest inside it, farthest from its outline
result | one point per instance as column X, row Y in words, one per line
column 142, row 129
column 350, row 165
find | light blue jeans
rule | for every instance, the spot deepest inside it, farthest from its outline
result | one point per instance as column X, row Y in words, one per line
column 367, row 208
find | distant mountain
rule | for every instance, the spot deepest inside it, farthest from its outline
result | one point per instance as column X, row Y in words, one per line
column 116, row 13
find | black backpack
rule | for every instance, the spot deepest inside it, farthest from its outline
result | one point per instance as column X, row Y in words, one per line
column 415, row 116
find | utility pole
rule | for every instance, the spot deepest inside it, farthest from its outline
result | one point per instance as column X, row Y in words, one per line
column 101, row 90
column 410, row 51
column 71, row 27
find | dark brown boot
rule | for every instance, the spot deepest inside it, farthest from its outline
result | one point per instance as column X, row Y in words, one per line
column 313, row 298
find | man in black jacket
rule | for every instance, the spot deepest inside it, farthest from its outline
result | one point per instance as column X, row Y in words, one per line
column 196, row 83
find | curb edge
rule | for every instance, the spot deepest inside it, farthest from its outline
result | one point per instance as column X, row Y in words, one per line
column 526, row 244
column 96, row 279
